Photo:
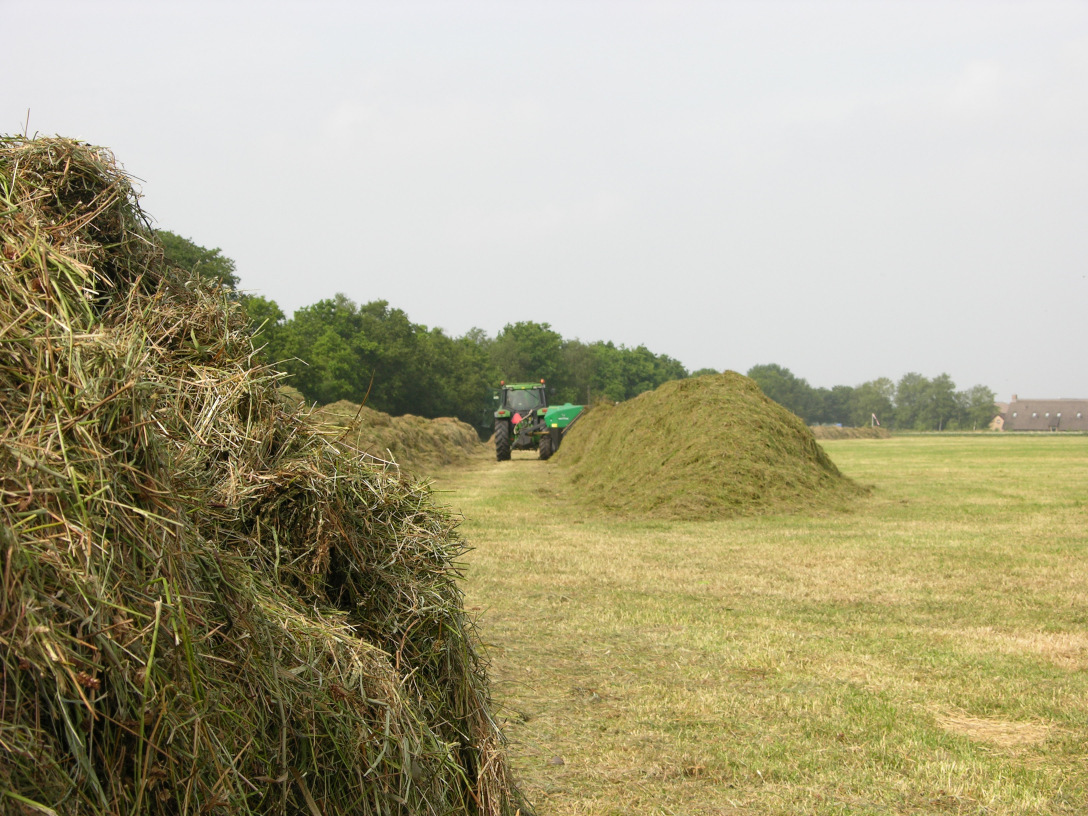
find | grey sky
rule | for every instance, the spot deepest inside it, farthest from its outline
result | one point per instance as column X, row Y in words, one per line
column 848, row 189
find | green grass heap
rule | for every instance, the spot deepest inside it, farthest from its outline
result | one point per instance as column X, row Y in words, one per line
column 420, row 445
column 206, row 606
column 835, row 432
column 701, row 448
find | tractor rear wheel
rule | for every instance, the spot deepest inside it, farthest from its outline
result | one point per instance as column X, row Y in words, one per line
column 502, row 441
column 545, row 446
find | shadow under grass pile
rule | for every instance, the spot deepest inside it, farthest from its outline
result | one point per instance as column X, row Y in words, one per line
column 205, row 605
column 701, row 448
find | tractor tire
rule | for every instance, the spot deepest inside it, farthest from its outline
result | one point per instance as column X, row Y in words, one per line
column 502, row 441
column 545, row 447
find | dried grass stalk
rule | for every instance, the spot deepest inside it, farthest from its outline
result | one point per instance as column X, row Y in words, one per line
column 418, row 444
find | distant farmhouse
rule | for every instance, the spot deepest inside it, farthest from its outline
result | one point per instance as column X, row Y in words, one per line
column 1046, row 415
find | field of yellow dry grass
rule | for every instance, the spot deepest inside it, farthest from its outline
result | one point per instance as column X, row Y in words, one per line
column 924, row 652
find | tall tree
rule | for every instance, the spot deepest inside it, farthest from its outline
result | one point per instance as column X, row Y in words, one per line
column 838, row 404
column 609, row 375
column 326, row 353
column 580, row 366
column 474, row 378
column 976, row 407
column 875, row 398
column 829, row 406
column 666, row 368
column 528, row 351
column 210, row 264
column 266, row 318
column 780, row 384
column 402, row 381
column 939, row 406
column 910, row 397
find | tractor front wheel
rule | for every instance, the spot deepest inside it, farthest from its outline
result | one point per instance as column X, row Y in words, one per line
column 502, row 441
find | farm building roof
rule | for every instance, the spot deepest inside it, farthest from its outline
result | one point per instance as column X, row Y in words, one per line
column 1047, row 415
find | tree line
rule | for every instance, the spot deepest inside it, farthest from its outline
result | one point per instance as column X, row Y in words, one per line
column 336, row 349
column 913, row 403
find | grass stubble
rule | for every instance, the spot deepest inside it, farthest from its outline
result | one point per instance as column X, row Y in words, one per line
column 926, row 652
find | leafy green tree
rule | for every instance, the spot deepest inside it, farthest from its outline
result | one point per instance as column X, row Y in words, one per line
column 335, row 368
column 939, row 406
column 910, row 397
column 873, row 398
column 528, row 351
column 326, row 352
column 976, row 407
column 210, row 264
column 474, row 378
column 838, row 405
column 579, row 364
column 267, row 319
column 620, row 373
column 817, row 406
column 451, row 377
column 637, row 367
column 336, row 349
column 780, row 384
column 829, row 406
column 703, row 372
column 400, row 382
column 926, row 405
column 608, row 379
column 667, row 369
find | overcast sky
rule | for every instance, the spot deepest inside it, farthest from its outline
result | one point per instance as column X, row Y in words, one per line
column 848, row 189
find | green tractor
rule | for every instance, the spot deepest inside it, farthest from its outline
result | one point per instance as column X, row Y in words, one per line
column 525, row 421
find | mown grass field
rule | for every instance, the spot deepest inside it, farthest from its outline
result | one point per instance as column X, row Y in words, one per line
column 924, row 653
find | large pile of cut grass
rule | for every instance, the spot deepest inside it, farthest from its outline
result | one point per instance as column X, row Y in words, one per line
column 205, row 606
column 705, row 447
column 419, row 445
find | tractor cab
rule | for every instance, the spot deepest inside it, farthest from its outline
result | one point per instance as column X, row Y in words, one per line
column 523, row 401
